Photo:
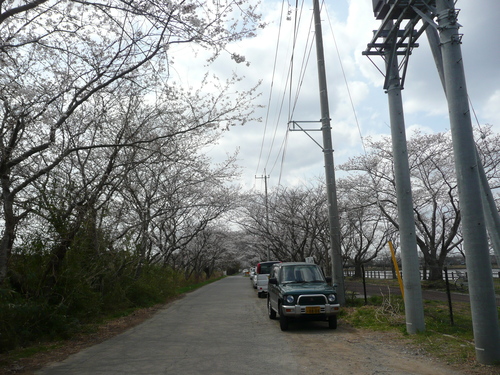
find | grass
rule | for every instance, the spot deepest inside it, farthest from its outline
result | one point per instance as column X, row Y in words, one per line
column 191, row 287
column 20, row 353
column 453, row 344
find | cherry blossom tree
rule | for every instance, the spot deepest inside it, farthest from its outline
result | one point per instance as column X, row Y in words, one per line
column 67, row 66
column 434, row 185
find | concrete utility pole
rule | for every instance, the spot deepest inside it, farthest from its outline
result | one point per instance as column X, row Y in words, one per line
column 490, row 210
column 392, row 15
column 489, row 206
column 409, row 255
column 336, row 252
column 481, row 289
column 265, row 177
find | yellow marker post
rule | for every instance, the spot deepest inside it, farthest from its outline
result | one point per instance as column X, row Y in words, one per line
column 395, row 262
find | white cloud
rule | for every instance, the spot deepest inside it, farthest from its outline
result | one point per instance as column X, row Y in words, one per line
column 351, row 23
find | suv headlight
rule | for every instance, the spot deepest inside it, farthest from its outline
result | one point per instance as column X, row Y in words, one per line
column 289, row 299
column 331, row 298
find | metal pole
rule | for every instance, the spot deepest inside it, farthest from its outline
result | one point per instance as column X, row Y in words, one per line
column 482, row 294
column 490, row 210
column 266, row 201
column 448, row 294
column 336, row 254
column 267, row 214
column 414, row 309
column 489, row 206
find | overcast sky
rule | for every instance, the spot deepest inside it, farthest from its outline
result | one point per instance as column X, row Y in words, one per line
column 347, row 28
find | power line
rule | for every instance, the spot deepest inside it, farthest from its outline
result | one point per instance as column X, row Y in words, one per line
column 346, row 82
column 272, row 85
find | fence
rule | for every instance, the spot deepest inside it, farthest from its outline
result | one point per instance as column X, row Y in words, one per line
column 387, row 274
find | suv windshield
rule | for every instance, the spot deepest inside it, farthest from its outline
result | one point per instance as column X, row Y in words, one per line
column 301, row 274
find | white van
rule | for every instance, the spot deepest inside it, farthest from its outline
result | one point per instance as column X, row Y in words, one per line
column 262, row 275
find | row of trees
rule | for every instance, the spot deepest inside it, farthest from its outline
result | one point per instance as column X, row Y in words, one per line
column 99, row 154
column 297, row 226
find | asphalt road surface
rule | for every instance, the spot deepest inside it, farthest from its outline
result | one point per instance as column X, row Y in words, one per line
column 223, row 328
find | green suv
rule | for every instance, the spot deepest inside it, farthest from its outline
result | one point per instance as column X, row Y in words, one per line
column 301, row 291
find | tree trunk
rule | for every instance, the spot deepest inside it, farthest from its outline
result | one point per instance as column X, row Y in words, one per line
column 54, row 266
column 435, row 272
column 358, row 273
column 6, row 245
column 9, row 234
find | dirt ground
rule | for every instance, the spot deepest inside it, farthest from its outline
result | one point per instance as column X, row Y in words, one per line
column 361, row 352
column 355, row 351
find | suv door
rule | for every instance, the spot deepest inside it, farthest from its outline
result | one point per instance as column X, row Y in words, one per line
column 273, row 288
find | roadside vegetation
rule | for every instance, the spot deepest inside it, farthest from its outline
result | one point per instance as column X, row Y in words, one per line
column 450, row 343
column 31, row 327
column 75, row 305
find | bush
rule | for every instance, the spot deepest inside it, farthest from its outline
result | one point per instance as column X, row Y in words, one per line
column 88, row 288
column 23, row 321
column 154, row 286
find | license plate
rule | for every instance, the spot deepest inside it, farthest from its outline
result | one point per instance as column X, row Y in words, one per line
column 313, row 310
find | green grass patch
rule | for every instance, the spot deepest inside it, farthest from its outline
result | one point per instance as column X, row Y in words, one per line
column 378, row 314
column 496, row 284
column 21, row 353
column 191, row 287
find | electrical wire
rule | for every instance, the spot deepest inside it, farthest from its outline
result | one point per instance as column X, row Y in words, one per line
column 346, row 84
column 293, row 92
column 272, row 86
column 293, row 99
column 288, row 84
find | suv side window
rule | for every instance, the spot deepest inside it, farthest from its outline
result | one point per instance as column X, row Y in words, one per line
column 273, row 272
column 277, row 272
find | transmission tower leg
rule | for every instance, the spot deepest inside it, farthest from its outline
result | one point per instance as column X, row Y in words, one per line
column 481, row 289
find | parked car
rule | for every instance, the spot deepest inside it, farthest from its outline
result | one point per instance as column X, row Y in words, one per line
column 262, row 270
column 301, row 291
column 253, row 277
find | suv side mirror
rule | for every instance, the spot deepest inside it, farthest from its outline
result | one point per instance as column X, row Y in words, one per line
column 328, row 279
column 273, row 281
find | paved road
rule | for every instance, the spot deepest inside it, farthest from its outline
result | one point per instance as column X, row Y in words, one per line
column 221, row 328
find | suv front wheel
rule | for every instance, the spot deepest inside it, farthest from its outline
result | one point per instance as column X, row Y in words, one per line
column 283, row 319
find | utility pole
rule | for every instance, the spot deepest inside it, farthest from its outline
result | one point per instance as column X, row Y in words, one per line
column 265, row 177
column 415, row 321
column 336, row 253
column 489, row 206
column 390, row 49
column 481, row 288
